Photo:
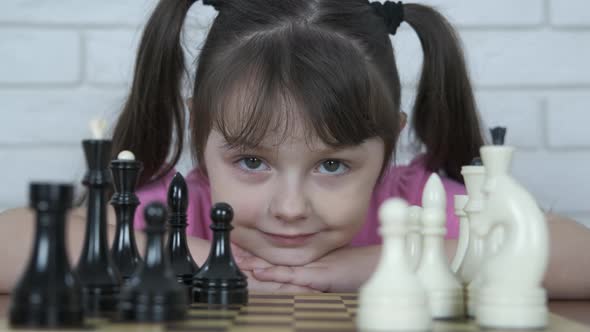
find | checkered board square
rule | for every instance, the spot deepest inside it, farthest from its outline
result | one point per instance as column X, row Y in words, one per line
column 276, row 312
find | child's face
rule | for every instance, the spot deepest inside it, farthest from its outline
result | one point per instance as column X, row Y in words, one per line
column 293, row 201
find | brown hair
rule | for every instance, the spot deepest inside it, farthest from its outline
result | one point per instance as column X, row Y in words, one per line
column 329, row 62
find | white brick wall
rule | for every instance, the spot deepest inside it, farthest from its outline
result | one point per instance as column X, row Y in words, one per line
column 63, row 62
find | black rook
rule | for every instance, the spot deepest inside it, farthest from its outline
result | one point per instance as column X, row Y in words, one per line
column 48, row 295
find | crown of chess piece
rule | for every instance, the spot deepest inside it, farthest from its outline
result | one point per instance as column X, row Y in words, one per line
column 504, row 299
column 48, row 294
column 220, row 281
column 153, row 294
column 498, row 135
column 125, row 170
column 100, row 278
column 181, row 260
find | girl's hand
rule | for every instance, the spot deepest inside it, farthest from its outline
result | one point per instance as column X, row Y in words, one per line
column 247, row 261
column 343, row 270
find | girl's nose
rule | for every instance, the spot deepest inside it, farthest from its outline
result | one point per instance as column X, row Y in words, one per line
column 289, row 204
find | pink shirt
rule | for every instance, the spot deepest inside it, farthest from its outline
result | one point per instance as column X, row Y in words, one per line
column 405, row 182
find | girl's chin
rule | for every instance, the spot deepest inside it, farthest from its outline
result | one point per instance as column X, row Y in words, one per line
column 289, row 256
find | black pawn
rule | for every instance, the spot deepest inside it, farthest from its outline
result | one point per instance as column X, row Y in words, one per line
column 153, row 294
column 48, row 295
column 182, row 262
column 100, row 278
column 498, row 135
column 220, row 281
column 124, row 250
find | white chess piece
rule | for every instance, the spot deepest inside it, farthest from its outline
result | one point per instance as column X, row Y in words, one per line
column 445, row 292
column 414, row 237
column 98, row 128
column 460, row 202
column 393, row 299
column 474, row 177
column 511, row 295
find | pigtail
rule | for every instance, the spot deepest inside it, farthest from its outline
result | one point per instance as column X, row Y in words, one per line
column 445, row 119
column 154, row 108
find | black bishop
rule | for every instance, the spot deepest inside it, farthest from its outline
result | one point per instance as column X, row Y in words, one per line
column 181, row 260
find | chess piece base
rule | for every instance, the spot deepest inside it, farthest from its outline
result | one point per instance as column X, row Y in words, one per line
column 221, row 296
column 447, row 304
column 45, row 317
column 100, row 301
column 512, row 308
column 152, row 310
column 389, row 313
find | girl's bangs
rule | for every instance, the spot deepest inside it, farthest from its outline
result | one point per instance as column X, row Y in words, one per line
column 270, row 87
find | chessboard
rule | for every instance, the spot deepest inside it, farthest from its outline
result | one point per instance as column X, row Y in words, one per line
column 328, row 312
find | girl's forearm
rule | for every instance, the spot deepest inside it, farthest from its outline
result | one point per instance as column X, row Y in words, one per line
column 569, row 261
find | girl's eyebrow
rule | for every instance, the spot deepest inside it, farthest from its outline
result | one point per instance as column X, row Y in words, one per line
column 244, row 147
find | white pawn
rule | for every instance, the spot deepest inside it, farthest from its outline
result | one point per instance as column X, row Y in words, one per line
column 511, row 295
column 445, row 292
column 460, row 202
column 414, row 237
column 393, row 299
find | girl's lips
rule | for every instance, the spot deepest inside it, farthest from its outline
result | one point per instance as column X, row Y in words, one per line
column 289, row 240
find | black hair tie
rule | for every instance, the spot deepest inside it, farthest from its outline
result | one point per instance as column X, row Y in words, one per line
column 392, row 12
column 215, row 3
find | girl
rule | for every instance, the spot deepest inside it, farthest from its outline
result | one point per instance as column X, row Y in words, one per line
column 294, row 119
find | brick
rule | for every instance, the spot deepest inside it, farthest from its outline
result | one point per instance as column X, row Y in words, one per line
column 111, row 55
column 520, row 113
column 581, row 217
column 567, row 120
column 559, row 181
column 75, row 11
column 510, row 58
column 65, row 164
column 469, row 13
column 39, row 116
column 569, row 13
column 35, row 56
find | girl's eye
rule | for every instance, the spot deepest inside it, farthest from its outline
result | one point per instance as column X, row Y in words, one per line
column 252, row 164
column 333, row 167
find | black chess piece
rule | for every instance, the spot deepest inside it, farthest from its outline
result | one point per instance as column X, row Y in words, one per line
column 100, row 278
column 48, row 294
column 124, row 250
column 153, row 294
column 220, row 281
column 182, row 261
column 498, row 135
